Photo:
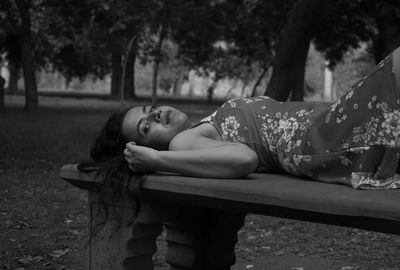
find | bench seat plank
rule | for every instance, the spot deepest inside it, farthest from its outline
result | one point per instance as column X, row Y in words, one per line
column 287, row 191
column 261, row 192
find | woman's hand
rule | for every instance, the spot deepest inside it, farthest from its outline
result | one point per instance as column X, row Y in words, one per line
column 140, row 159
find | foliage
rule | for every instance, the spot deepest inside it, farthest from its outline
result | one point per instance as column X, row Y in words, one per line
column 67, row 40
column 349, row 23
column 9, row 43
column 231, row 39
column 340, row 30
column 234, row 39
column 58, row 38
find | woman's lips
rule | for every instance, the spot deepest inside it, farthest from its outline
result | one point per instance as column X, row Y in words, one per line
column 167, row 116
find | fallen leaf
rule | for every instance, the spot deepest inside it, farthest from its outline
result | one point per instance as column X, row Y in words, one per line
column 76, row 232
column 249, row 266
column 59, row 253
column 266, row 248
column 349, row 268
column 26, row 260
column 38, row 258
column 68, row 221
column 268, row 233
column 21, row 225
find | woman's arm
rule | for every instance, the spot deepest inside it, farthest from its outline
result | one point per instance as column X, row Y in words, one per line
column 396, row 66
column 195, row 155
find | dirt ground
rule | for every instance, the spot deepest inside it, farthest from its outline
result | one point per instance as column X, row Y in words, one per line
column 43, row 219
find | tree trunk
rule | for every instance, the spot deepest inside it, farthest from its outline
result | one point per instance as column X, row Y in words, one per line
column 179, row 79
column 13, row 68
column 258, row 81
column 28, row 66
column 115, row 75
column 294, row 41
column 233, row 88
column 131, row 50
column 2, row 83
column 129, row 90
column 210, row 90
column 157, row 61
column 243, row 89
column 388, row 37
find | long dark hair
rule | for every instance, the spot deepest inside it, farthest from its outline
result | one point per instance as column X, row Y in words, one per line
column 108, row 163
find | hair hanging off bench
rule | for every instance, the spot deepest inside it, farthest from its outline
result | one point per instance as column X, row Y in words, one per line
column 109, row 164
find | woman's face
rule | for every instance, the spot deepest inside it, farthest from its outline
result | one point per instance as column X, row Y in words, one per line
column 154, row 127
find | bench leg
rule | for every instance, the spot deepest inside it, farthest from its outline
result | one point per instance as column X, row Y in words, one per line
column 132, row 245
column 203, row 239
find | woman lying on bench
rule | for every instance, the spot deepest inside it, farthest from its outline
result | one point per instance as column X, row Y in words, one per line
column 353, row 141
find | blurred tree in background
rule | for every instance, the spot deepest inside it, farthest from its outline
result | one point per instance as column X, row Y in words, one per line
column 241, row 39
column 17, row 35
column 292, row 50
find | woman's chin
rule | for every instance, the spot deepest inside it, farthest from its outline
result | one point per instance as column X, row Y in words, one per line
column 180, row 121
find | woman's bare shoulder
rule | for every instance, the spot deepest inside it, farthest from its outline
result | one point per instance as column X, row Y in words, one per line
column 195, row 137
column 207, row 130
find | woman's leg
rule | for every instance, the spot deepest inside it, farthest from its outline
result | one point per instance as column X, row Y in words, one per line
column 396, row 66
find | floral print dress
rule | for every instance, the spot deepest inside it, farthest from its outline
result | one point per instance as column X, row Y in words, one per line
column 354, row 141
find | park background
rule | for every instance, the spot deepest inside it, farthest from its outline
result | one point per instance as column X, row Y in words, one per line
column 68, row 64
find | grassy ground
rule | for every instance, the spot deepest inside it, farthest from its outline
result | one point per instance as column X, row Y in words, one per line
column 43, row 219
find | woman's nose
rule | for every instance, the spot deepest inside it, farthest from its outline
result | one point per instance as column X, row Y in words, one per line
column 156, row 114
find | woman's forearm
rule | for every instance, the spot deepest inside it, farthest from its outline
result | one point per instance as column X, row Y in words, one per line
column 233, row 161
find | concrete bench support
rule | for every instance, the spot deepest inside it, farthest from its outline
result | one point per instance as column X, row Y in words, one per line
column 128, row 245
column 198, row 238
column 201, row 238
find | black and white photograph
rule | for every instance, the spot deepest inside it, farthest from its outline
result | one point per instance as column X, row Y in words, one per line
column 199, row 135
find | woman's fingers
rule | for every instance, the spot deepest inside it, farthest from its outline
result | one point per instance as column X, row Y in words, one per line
column 138, row 157
column 129, row 157
column 130, row 149
column 127, row 153
column 130, row 145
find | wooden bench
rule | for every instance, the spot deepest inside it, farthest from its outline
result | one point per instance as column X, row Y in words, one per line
column 202, row 216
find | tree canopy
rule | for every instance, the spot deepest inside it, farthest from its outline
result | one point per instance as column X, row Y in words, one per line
column 236, row 39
